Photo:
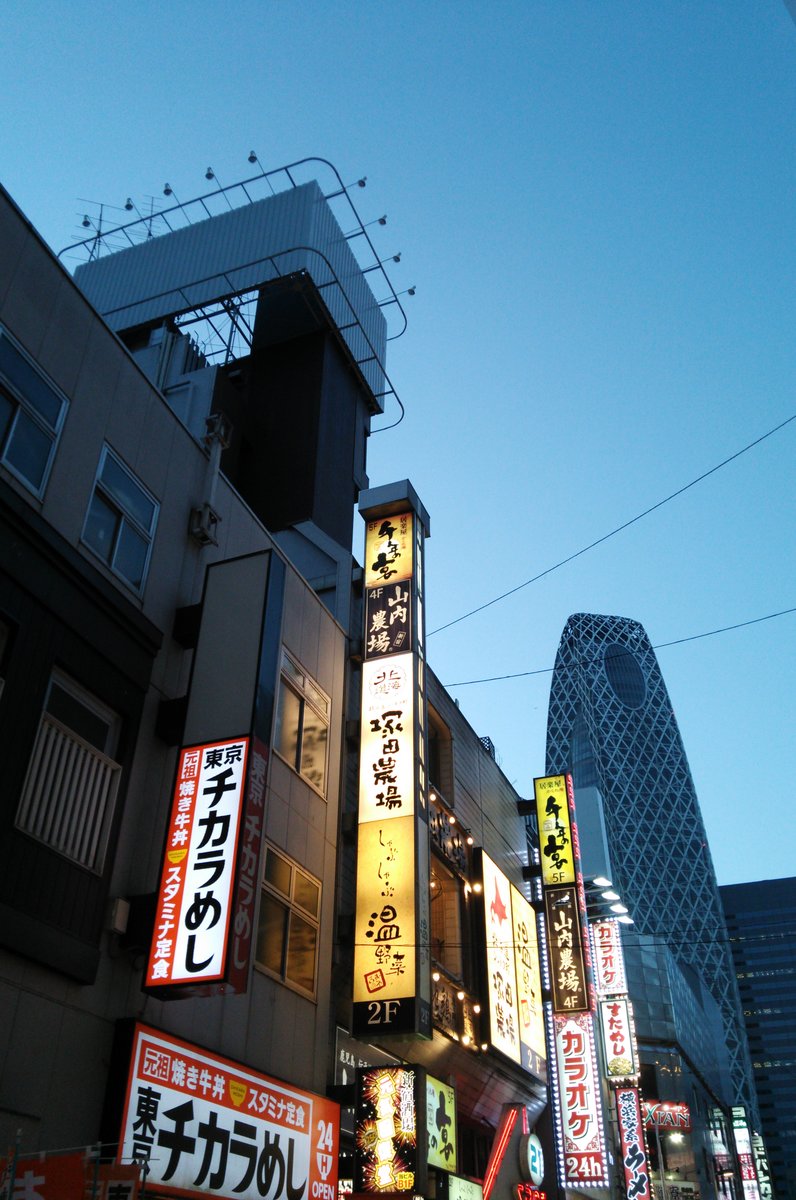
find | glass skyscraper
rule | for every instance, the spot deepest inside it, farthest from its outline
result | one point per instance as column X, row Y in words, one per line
column 761, row 921
column 610, row 723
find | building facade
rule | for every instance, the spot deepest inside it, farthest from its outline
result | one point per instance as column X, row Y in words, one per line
column 183, row 433
column 761, row 924
column 611, row 724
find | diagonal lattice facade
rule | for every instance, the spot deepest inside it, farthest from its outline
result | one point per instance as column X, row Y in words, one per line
column 610, row 722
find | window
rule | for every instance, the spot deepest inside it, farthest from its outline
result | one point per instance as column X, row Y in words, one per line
column 287, row 931
column 70, row 789
column 302, row 724
column 446, row 923
column 121, row 519
column 32, row 413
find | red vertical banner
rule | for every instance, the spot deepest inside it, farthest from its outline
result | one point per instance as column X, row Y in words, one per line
column 631, row 1140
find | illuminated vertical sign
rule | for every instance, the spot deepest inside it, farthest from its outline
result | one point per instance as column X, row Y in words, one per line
column 441, row 1124
column 556, row 843
column 194, row 902
column 389, row 1112
column 762, row 1167
column 392, row 975
column 743, row 1150
column 609, row 962
column 500, row 964
column 619, row 1042
column 529, row 986
column 579, row 1113
column 577, row 1103
column 565, row 946
column 631, row 1142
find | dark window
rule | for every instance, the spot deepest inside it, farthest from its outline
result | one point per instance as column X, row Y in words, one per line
column 120, row 522
column 32, row 413
column 302, row 724
column 287, row 931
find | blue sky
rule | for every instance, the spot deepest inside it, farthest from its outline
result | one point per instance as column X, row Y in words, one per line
column 595, row 201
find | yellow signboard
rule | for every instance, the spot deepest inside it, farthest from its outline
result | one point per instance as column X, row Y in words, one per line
column 529, row 985
column 388, row 550
column 441, row 1124
column 384, row 949
column 556, row 843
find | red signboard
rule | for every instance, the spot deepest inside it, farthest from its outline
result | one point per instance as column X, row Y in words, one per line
column 67, row 1177
column 203, row 1125
column 631, row 1139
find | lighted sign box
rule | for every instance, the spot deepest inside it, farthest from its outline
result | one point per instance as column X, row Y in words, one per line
column 609, row 962
column 205, row 1125
column 385, row 914
column 666, row 1115
column 576, row 1103
column 565, row 947
column 556, row 844
column 390, row 1113
column 387, row 757
column 533, row 1049
column 743, row 1148
column 504, row 1022
column 619, row 1042
column 441, row 1124
column 455, row 1187
column 392, row 977
column 192, row 922
column 631, row 1142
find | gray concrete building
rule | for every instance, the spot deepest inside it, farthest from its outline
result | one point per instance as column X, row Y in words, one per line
column 183, row 433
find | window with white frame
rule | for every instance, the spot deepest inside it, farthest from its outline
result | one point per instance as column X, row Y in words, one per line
column 302, row 724
column 69, row 793
column 287, row 928
column 121, row 519
column 32, row 412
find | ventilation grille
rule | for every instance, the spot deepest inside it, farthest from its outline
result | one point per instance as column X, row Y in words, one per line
column 69, row 795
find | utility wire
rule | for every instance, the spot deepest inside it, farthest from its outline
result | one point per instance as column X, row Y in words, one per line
column 570, row 558
column 658, row 646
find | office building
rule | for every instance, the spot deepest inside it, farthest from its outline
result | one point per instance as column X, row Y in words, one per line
column 611, row 724
column 183, row 434
column 761, row 924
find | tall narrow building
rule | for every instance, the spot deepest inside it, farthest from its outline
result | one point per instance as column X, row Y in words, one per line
column 611, row 724
column 761, row 921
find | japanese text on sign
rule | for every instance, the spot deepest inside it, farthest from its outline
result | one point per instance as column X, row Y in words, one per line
column 193, row 909
column 578, row 1095
column 631, row 1140
column 201, row 1124
column 556, row 843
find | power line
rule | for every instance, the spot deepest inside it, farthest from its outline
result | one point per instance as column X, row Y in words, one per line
column 694, row 637
column 570, row 558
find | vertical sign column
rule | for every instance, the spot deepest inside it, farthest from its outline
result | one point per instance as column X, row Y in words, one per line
column 621, row 1054
column 577, row 1104
column 392, row 978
